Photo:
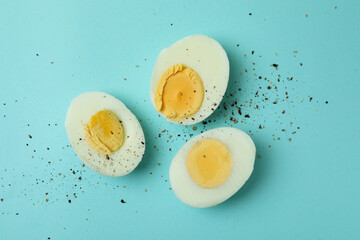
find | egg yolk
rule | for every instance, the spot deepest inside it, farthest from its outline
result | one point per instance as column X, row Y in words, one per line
column 104, row 132
column 209, row 163
column 179, row 93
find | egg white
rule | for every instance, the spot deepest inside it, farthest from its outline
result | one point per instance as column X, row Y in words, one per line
column 242, row 150
column 207, row 57
column 119, row 163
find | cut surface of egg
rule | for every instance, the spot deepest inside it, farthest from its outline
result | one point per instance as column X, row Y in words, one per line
column 104, row 134
column 189, row 79
column 212, row 166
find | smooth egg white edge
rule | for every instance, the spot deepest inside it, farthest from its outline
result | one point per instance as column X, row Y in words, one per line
column 122, row 161
column 242, row 150
column 206, row 61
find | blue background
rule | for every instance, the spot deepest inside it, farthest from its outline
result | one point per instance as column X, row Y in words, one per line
column 306, row 187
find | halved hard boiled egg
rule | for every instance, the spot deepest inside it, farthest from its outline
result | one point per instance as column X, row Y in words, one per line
column 189, row 79
column 105, row 134
column 212, row 166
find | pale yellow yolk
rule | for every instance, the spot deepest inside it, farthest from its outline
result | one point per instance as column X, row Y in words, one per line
column 179, row 92
column 209, row 163
column 104, row 132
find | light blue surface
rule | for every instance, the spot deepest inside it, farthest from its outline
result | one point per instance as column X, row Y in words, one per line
column 308, row 188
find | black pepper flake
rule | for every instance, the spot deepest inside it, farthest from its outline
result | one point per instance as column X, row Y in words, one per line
column 247, row 116
column 252, row 52
column 69, row 201
column 326, row 102
column 30, row 136
column 311, row 99
column 122, row 201
column 224, row 105
column 204, row 122
column 275, row 65
column 107, row 157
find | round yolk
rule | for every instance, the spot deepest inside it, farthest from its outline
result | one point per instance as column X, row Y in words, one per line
column 104, row 132
column 209, row 163
column 179, row 93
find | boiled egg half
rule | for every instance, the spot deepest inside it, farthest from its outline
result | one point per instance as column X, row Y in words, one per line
column 212, row 166
column 189, row 79
column 105, row 134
